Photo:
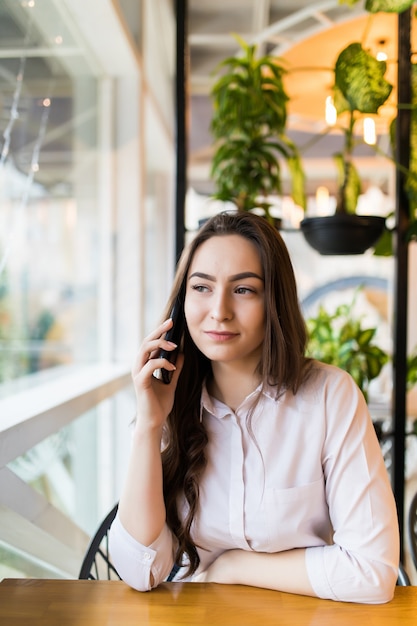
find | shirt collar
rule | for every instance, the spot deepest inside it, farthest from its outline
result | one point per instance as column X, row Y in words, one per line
column 220, row 410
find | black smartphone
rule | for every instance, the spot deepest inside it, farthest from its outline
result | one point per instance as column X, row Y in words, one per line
column 174, row 334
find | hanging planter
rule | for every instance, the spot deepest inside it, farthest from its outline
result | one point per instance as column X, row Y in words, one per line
column 342, row 233
column 359, row 88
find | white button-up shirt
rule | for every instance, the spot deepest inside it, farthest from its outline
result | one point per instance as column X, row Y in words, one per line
column 307, row 473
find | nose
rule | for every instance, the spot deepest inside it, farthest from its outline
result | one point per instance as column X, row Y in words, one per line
column 221, row 307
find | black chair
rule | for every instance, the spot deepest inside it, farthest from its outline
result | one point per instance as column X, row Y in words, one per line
column 412, row 529
column 403, row 578
column 97, row 564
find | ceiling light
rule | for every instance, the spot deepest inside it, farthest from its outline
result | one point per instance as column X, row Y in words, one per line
column 369, row 132
column 330, row 112
column 381, row 53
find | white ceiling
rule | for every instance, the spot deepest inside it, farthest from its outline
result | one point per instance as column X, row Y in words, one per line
column 272, row 24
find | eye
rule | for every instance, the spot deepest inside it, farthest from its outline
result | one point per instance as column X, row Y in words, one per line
column 200, row 288
column 244, row 290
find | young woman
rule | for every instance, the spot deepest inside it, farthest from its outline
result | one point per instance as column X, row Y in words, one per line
column 270, row 473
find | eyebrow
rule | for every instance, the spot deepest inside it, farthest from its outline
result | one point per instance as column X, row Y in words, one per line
column 232, row 279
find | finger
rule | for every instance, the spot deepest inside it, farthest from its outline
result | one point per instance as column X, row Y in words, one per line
column 152, row 344
column 174, row 368
column 151, row 365
column 178, row 367
column 148, row 377
column 153, row 350
column 156, row 335
column 159, row 331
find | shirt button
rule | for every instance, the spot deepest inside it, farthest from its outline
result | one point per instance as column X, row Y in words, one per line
column 147, row 556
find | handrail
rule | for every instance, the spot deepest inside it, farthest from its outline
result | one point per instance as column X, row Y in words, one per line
column 29, row 416
column 28, row 521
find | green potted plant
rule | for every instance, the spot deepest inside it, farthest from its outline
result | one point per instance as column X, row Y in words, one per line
column 359, row 89
column 345, row 232
column 341, row 339
column 249, row 129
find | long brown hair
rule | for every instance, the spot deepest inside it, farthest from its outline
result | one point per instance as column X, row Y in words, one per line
column 283, row 365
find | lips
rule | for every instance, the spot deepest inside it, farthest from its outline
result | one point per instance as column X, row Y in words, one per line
column 220, row 336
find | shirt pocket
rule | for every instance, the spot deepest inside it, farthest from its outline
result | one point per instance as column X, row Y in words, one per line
column 297, row 517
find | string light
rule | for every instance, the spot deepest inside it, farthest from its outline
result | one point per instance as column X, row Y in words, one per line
column 381, row 54
column 369, row 131
column 330, row 112
column 322, row 200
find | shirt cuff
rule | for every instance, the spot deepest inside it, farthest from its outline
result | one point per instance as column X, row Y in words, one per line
column 317, row 574
column 135, row 562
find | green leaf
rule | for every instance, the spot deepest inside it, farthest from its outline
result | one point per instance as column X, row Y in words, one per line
column 339, row 101
column 360, row 78
column 412, row 231
column 384, row 245
column 364, row 337
column 374, row 366
column 411, row 370
column 388, row 6
column 349, row 3
column 297, row 181
column 349, row 184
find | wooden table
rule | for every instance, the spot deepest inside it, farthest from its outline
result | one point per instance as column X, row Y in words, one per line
column 27, row 602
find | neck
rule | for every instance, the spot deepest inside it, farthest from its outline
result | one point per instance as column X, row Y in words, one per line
column 231, row 385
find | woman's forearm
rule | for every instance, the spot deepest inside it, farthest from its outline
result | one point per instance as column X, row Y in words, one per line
column 141, row 507
column 281, row 571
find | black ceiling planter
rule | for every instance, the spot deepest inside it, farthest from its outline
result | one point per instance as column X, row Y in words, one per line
column 342, row 233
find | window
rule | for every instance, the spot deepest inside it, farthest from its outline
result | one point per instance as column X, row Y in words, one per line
column 48, row 220
column 86, row 233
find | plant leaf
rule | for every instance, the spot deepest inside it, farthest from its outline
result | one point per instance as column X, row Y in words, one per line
column 388, row 6
column 349, row 183
column 360, row 78
column 297, row 181
column 384, row 245
column 365, row 336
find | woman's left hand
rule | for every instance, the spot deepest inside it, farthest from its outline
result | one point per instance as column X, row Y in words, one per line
column 281, row 571
column 222, row 570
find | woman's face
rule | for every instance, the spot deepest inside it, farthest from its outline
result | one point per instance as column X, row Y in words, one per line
column 225, row 303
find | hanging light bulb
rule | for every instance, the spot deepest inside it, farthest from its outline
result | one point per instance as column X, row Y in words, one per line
column 322, row 200
column 381, row 54
column 369, row 132
column 330, row 112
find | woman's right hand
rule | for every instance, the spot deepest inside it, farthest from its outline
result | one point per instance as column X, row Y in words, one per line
column 154, row 398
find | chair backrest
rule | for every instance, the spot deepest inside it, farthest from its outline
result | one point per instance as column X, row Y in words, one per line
column 97, row 564
column 403, row 578
column 412, row 529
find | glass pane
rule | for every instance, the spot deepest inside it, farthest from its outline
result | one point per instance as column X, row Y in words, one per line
column 48, row 211
column 132, row 14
